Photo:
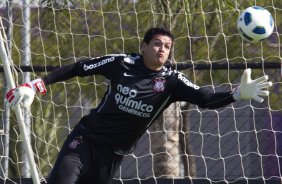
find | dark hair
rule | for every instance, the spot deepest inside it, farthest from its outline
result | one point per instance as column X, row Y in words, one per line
column 149, row 35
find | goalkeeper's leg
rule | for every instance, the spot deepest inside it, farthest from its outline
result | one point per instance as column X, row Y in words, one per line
column 82, row 161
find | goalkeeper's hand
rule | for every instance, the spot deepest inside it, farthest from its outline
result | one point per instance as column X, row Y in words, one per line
column 24, row 94
column 252, row 89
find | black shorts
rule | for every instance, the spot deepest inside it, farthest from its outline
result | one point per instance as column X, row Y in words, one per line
column 82, row 161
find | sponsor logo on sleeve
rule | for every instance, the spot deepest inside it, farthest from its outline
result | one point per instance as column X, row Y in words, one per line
column 187, row 82
column 100, row 63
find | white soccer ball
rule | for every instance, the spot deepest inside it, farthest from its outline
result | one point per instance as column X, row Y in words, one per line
column 255, row 24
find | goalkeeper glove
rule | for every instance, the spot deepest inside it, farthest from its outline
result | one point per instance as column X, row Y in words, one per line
column 252, row 89
column 24, row 94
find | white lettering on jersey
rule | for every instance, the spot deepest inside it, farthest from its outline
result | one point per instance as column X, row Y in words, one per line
column 124, row 100
column 187, row 82
column 100, row 63
column 129, row 60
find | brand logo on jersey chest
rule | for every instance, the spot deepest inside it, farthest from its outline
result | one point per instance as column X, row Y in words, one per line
column 159, row 84
column 127, row 101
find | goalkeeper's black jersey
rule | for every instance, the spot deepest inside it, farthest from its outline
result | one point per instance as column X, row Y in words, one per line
column 135, row 97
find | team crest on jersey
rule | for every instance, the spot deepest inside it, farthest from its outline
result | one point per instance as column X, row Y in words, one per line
column 76, row 141
column 159, row 84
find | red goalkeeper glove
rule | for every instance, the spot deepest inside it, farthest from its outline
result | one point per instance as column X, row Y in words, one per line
column 24, row 94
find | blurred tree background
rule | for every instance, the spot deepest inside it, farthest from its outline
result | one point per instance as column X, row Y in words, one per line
column 62, row 32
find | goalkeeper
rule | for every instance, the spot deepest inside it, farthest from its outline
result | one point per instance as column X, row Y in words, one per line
column 141, row 87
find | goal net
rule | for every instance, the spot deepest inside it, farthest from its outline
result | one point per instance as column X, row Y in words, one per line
column 239, row 142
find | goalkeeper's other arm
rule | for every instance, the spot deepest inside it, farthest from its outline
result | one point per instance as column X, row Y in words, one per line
column 24, row 94
column 252, row 89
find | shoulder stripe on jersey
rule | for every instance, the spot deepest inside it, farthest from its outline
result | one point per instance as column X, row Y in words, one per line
column 106, row 97
column 158, row 111
column 109, row 55
column 115, row 55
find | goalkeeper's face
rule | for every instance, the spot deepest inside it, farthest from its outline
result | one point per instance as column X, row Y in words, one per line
column 156, row 52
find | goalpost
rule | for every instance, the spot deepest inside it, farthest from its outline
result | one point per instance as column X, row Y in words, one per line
column 239, row 142
column 18, row 111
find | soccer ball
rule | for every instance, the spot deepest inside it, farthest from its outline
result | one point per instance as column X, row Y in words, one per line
column 255, row 24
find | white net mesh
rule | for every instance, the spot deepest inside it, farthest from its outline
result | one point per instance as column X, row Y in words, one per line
column 240, row 141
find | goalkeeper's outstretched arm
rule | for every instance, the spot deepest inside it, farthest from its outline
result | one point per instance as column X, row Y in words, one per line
column 61, row 74
column 24, row 94
column 248, row 89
